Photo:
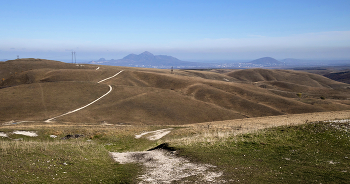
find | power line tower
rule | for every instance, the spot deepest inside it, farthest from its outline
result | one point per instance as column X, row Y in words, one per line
column 17, row 56
column 75, row 58
column 72, row 57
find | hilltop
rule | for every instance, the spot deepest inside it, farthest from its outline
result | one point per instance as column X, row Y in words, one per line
column 36, row 90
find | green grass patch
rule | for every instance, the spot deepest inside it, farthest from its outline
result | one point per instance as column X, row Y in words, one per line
column 43, row 159
column 310, row 153
column 74, row 161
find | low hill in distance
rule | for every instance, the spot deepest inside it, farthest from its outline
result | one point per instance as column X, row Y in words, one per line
column 266, row 61
column 36, row 90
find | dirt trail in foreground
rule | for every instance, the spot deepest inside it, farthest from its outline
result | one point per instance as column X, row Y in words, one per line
column 251, row 124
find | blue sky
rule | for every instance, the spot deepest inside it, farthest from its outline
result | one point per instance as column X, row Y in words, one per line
column 188, row 30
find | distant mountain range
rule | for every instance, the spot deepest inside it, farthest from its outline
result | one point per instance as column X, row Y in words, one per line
column 148, row 60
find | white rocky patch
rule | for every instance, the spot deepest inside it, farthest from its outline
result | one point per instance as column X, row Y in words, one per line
column 157, row 134
column 339, row 121
column 26, row 133
column 164, row 167
column 2, row 134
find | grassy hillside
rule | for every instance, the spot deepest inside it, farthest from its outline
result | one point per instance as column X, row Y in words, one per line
column 35, row 90
column 309, row 153
column 316, row 152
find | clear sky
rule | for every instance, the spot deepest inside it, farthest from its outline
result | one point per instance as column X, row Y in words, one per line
column 186, row 29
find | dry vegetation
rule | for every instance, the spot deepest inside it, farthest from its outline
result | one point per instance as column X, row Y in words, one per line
column 210, row 111
column 35, row 90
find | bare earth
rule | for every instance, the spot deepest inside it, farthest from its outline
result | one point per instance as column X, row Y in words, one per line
column 155, row 135
column 252, row 124
column 164, row 167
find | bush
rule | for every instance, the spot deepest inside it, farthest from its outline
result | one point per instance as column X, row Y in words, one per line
column 299, row 95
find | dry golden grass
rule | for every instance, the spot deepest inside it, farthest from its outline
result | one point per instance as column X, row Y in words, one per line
column 142, row 96
column 213, row 132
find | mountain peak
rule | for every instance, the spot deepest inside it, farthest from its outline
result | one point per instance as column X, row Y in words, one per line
column 146, row 53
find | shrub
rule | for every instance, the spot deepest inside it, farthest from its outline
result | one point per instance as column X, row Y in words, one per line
column 299, row 95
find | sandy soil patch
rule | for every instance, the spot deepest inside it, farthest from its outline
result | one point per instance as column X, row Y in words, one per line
column 26, row 133
column 155, row 135
column 164, row 167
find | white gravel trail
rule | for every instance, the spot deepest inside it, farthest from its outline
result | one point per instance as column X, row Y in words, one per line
column 164, row 167
column 157, row 134
column 110, row 77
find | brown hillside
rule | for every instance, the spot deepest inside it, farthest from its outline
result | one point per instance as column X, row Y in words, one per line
column 14, row 67
column 289, row 76
column 154, row 96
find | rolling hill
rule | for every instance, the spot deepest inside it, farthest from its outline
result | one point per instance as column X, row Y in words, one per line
column 36, row 90
column 343, row 76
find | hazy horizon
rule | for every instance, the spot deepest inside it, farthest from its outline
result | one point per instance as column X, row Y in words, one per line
column 187, row 30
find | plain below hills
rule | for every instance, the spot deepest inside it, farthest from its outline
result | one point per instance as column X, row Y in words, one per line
column 36, row 90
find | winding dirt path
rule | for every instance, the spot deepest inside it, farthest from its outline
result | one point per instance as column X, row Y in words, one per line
column 110, row 89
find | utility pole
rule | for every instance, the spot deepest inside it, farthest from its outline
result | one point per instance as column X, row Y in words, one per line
column 75, row 58
column 72, row 57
